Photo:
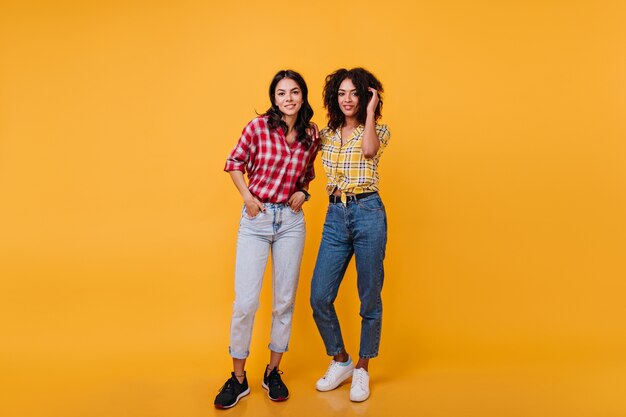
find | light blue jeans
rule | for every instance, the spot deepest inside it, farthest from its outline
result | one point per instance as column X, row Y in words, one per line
column 283, row 231
column 358, row 228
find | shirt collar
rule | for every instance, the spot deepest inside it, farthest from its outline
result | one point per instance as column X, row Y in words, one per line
column 355, row 133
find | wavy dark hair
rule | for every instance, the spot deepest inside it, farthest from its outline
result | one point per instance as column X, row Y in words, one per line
column 305, row 114
column 362, row 80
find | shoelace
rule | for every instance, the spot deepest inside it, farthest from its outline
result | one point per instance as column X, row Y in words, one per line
column 358, row 379
column 332, row 369
column 274, row 379
column 228, row 385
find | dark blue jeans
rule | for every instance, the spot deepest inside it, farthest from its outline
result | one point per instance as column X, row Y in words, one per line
column 359, row 228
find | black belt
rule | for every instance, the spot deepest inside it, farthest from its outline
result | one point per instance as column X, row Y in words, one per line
column 356, row 197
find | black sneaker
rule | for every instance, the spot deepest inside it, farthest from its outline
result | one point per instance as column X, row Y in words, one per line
column 276, row 388
column 232, row 391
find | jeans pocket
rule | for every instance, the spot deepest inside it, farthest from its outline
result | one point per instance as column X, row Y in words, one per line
column 245, row 215
column 372, row 204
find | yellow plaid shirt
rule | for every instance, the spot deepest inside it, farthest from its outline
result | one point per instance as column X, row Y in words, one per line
column 345, row 166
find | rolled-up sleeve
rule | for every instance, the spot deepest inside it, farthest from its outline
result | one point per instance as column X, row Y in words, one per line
column 240, row 155
column 383, row 135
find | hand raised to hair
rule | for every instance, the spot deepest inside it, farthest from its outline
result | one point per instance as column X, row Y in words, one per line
column 373, row 102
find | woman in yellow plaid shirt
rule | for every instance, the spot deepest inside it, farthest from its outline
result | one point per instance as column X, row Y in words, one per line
column 356, row 222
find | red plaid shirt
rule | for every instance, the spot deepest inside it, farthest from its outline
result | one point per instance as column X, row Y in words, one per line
column 275, row 169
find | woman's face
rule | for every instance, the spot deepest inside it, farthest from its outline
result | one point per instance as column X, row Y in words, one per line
column 288, row 97
column 348, row 98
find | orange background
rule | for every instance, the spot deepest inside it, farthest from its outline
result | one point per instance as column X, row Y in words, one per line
column 504, row 185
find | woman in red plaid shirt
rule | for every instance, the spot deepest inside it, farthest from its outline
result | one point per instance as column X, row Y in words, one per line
column 277, row 153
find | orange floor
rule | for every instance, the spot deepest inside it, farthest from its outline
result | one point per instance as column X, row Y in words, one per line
column 186, row 386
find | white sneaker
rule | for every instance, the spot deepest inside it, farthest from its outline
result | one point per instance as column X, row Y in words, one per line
column 337, row 373
column 360, row 389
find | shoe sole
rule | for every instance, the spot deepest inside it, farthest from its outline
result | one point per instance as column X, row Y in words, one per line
column 359, row 400
column 336, row 384
column 279, row 399
column 240, row 396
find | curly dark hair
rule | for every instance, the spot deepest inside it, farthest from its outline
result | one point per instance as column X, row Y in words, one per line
column 362, row 80
column 305, row 114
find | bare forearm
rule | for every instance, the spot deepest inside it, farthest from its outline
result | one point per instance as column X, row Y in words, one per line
column 240, row 183
column 253, row 205
column 370, row 142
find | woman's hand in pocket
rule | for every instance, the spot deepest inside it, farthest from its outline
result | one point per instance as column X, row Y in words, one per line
column 296, row 200
column 253, row 206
